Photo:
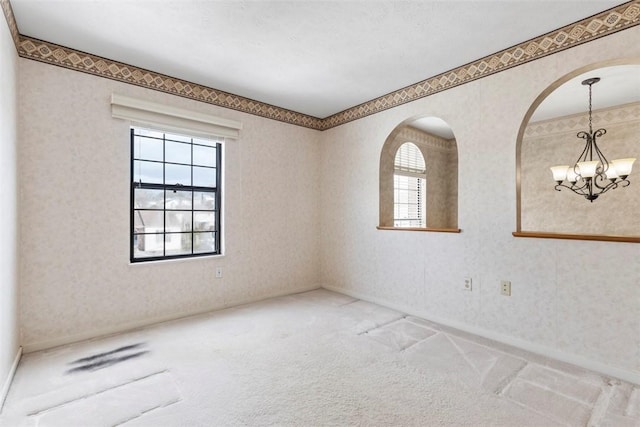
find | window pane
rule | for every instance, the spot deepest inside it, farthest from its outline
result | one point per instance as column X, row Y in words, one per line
column 177, row 174
column 176, row 152
column 147, row 172
column 148, row 132
column 204, row 200
column 204, row 156
column 204, row 242
column 208, row 142
column 148, row 199
column 403, row 211
column 148, row 245
column 409, row 201
column 147, row 148
column 148, row 221
column 178, row 221
column 180, row 138
column 204, row 177
column 204, row 221
column 409, row 158
column 403, row 196
column 178, row 243
column 178, row 199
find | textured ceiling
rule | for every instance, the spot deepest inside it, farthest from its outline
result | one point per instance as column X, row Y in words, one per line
column 618, row 85
column 313, row 57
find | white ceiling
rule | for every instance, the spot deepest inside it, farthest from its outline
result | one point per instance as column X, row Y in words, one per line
column 618, row 85
column 313, row 57
column 435, row 126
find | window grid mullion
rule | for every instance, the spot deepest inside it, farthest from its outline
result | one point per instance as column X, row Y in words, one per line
column 193, row 223
column 164, row 205
column 173, row 163
column 132, row 237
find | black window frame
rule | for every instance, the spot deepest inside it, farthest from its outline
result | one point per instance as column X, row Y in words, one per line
column 216, row 190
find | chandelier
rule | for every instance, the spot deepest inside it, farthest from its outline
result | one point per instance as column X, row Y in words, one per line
column 592, row 174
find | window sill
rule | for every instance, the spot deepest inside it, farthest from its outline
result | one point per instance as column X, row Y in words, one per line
column 174, row 260
column 596, row 237
column 436, row 230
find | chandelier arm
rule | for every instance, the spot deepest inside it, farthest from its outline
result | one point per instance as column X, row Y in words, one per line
column 623, row 183
column 602, row 179
column 603, row 188
column 584, row 187
column 599, row 153
column 588, row 185
column 583, row 156
column 607, row 187
column 578, row 190
column 558, row 188
column 600, row 132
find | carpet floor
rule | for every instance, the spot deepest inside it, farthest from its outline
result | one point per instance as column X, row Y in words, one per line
column 313, row 359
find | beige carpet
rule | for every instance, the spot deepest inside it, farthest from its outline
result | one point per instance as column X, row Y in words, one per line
column 312, row 359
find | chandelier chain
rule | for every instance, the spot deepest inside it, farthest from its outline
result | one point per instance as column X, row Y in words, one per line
column 590, row 118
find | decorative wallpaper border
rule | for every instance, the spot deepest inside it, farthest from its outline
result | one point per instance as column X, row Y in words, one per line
column 11, row 21
column 411, row 133
column 577, row 122
column 608, row 22
column 80, row 61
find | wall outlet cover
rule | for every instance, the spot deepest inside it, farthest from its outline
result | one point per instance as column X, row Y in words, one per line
column 505, row 288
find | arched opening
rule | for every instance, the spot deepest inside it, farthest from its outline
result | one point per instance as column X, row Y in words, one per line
column 421, row 196
column 548, row 137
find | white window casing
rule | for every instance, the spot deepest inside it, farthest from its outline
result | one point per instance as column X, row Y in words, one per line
column 172, row 119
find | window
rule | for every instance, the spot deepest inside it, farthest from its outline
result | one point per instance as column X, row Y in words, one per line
column 175, row 195
column 409, row 187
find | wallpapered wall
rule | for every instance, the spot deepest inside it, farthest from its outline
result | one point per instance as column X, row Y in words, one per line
column 8, row 206
column 301, row 210
column 571, row 299
column 554, row 142
column 74, row 165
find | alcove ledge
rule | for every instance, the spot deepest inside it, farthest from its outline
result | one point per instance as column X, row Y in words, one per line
column 564, row 236
column 436, row 230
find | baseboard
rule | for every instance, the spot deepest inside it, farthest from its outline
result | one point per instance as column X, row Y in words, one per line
column 9, row 380
column 131, row 326
column 623, row 374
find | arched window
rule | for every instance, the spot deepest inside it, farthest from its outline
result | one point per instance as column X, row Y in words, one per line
column 409, row 187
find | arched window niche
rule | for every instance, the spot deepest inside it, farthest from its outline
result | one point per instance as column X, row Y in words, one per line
column 548, row 137
column 419, row 177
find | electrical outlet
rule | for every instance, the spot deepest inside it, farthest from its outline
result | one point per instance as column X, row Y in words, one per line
column 219, row 273
column 467, row 284
column 505, row 288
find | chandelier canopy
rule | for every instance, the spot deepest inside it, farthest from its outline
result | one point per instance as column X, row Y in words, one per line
column 592, row 174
